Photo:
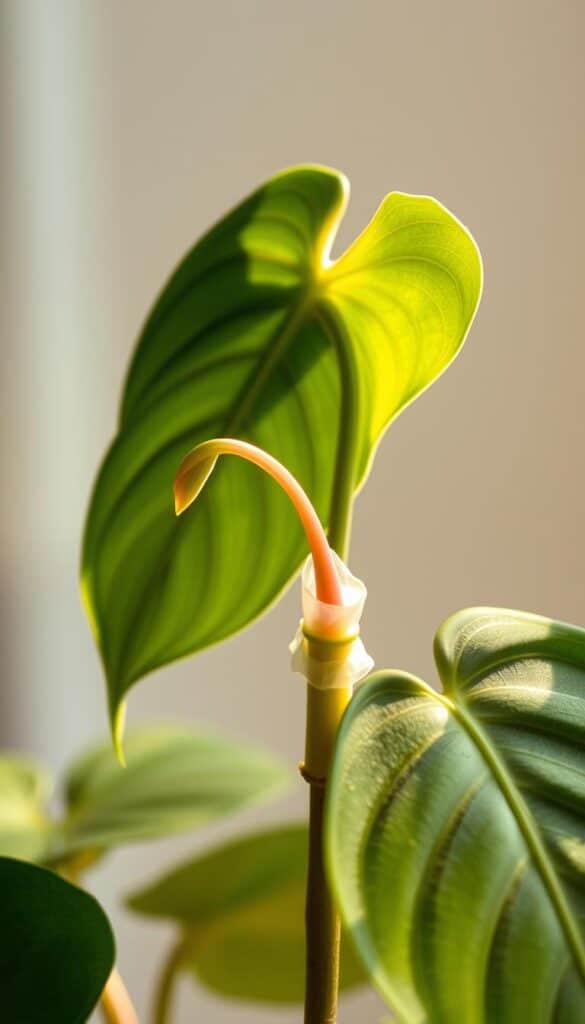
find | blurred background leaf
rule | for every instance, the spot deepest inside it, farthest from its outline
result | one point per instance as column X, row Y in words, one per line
column 241, row 913
column 25, row 829
column 258, row 335
column 56, row 947
column 176, row 779
column 456, row 826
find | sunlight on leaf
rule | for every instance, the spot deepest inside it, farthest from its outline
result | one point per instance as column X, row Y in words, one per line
column 258, row 334
column 456, row 826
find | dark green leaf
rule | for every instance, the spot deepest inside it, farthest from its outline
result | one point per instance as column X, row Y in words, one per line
column 176, row 779
column 456, row 826
column 25, row 830
column 259, row 335
column 241, row 908
column 56, row 947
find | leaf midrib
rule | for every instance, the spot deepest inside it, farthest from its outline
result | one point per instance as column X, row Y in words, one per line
column 240, row 407
column 526, row 825
column 307, row 305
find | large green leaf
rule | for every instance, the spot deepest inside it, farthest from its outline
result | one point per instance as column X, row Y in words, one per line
column 259, row 335
column 456, row 826
column 56, row 947
column 25, row 830
column 241, row 911
column 176, row 779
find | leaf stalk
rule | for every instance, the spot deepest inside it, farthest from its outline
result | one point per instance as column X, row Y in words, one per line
column 115, row 1003
column 166, row 984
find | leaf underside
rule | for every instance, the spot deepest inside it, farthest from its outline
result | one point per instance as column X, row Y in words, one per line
column 258, row 335
column 241, row 911
column 456, row 826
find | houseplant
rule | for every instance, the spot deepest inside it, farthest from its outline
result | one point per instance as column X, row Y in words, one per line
column 447, row 828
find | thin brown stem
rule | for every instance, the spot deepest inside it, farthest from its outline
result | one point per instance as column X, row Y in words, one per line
column 166, row 983
column 323, row 927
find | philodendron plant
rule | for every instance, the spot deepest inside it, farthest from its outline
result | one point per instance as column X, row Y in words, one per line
column 447, row 825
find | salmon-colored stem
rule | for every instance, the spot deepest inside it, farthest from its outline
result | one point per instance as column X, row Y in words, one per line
column 115, row 1003
column 327, row 583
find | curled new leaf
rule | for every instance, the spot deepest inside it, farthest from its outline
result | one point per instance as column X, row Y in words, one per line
column 198, row 465
column 258, row 334
column 456, row 826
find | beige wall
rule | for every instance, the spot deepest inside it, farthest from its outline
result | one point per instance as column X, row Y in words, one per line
column 132, row 124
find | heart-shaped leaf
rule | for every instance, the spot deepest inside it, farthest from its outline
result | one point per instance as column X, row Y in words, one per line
column 25, row 830
column 56, row 947
column 259, row 335
column 456, row 826
column 241, row 911
column 176, row 779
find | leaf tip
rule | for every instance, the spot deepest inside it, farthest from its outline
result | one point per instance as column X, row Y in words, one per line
column 118, row 723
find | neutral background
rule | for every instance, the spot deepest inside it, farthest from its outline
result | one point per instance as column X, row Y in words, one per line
column 129, row 126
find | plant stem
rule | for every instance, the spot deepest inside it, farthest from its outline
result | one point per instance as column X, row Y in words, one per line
column 166, row 982
column 115, row 1003
column 325, row 709
column 323, row 927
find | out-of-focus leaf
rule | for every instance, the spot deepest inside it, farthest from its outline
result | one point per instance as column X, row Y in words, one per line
column 56, row 947
column 258, row 334
column 176, row 779
column 24, row 828
column 456, row 826
column 241, row 908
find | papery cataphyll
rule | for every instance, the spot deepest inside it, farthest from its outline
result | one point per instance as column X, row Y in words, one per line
column 444, row 858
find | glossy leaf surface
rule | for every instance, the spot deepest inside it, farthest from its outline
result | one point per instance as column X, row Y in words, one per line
column 259, row 335
column 24, row 827
column 241, row 908
column 175, row 779
column 56, row 947
column 456, row 826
